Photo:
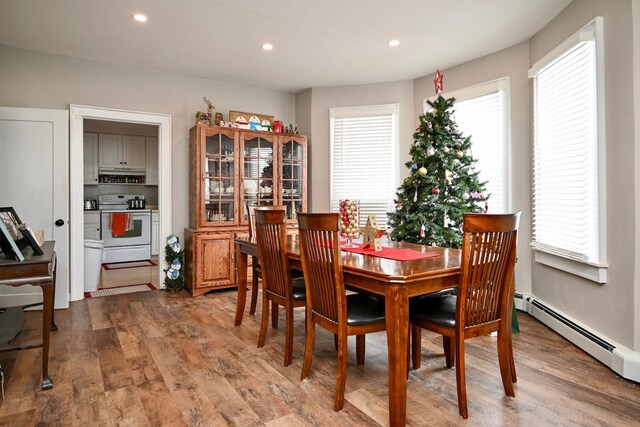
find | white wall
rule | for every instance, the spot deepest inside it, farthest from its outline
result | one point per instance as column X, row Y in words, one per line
column 512, row 62
column 349, row 96
column 31, row 79
column 636, row 91
column 607, row 308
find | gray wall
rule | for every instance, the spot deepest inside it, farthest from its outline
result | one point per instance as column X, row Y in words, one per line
column 607, row 308
column 513, row 63
column 349, row 96
column 36, row 80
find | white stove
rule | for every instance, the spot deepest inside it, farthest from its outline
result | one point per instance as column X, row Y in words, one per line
column 135, row 243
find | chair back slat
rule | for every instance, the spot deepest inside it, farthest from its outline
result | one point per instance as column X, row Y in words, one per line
column 251, row 215
column 271, row 238
column 322, row 265
column 488, row 262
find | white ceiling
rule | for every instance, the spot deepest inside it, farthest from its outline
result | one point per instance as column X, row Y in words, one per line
column 317, row 43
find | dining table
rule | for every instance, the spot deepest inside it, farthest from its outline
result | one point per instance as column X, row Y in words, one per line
column 396, row 281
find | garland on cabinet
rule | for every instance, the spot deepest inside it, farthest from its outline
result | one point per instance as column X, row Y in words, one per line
column 174, row 257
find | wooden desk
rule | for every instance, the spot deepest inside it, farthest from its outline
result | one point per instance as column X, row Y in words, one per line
column 395, row 280
column 36, row 270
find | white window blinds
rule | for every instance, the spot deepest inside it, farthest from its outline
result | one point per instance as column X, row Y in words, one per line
column 565, row 155
column 363, row 141
column 483, row 118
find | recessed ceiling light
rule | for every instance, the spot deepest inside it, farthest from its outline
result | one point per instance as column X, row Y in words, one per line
column 140, row 17
column 267, row 46
column 393, row 43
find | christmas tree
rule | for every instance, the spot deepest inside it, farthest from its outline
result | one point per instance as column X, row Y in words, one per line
column 442, row 185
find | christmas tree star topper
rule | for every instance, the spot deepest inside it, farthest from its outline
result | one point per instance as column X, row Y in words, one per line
column 437, row 81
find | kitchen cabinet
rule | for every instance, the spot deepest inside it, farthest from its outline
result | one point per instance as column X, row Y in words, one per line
column 121, row 153
column 92, row 225
column 155, row 233
column 151, row 164
column 90, row 154
column 229, row 170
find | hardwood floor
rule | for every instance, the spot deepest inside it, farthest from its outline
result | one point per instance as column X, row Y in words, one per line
column 150, row 359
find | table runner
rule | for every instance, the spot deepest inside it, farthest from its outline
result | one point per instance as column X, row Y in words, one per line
column 396, row 254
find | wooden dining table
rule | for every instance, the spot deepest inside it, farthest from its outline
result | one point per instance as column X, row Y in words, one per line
column 396, row 281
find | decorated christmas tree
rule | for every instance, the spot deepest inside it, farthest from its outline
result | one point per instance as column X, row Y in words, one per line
column 443, row 183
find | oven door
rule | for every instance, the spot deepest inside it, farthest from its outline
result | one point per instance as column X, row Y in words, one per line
column 140, row 235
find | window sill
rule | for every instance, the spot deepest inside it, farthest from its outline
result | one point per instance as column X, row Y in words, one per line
column 594, row 272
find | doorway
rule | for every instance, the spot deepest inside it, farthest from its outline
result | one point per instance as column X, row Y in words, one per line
column 80, row 115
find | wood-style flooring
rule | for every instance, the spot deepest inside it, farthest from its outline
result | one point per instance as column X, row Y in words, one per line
column 152, row 359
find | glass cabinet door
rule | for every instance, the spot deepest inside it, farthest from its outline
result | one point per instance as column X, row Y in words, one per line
column 292, row 175
column 257, row 172
column 219, row 183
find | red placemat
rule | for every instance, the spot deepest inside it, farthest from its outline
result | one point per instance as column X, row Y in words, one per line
column 390, row 253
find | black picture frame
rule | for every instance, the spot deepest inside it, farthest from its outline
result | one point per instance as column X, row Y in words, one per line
column 31, row 240
column 8, row 245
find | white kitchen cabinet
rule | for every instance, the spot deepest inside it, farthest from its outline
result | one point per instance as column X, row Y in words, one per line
column 152, row 161
column 92, row 225
column 155, row 233
column 90, row 152
column 118, row 152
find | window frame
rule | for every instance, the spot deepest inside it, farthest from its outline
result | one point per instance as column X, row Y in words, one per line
column 360, row 111
column 502, row 84
column 593, row 270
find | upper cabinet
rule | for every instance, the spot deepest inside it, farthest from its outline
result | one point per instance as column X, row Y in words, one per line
column 152, row 161
column 231, row 169
column 90, row 154
column 123, row 153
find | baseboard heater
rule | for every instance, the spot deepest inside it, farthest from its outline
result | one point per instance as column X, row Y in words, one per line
column 621, row 359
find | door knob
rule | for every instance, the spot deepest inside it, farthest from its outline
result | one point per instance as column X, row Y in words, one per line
column 59, row 222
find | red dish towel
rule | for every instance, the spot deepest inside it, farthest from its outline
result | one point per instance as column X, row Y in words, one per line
column 121, row 222
column 391, row 253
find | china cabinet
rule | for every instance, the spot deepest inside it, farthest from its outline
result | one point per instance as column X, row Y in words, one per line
column 229, row 170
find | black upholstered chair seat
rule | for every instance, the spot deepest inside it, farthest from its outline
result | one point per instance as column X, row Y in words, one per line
column 439, row 309
column 299, row 289
column 364, row 309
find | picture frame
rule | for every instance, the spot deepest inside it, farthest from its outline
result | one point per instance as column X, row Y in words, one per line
column 8, row 245
column 263, row 122
column 11, row 220
column 30, row 237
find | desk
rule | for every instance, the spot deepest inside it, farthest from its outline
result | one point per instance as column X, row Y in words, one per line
column 395, row 280
column 36, row 270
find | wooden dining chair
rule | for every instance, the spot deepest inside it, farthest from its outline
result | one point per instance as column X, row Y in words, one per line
column 256, row 269
column 483, row 303
column 327, row 302
column 277, row 284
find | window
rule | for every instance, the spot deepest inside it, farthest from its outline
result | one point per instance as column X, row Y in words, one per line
column 481, row 112
column 567, row 149
column 364, row 142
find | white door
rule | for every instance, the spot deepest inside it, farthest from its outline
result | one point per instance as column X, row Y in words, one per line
column 34, row 172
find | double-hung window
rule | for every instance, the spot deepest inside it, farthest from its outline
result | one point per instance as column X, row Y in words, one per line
column 568, row 156
column 364, row 143
column 482, row 112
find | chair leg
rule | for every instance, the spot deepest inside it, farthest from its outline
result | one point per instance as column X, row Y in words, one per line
column 288, row 341
column 265, row 319
column 254, row 293
column 512, row 364
column 360, row 345
column 308, row 347
column 505, row 364
column 335, row 341
column 341, row 376
column 460, row 378
column 274, row 314
column 416, row 345
column 449, row 345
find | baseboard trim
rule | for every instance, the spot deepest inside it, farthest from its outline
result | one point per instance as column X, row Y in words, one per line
column 622, row 360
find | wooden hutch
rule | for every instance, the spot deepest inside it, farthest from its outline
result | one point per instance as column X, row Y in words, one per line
column 230, row 169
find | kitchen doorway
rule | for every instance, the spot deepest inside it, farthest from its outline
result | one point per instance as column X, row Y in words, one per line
column 83, row 119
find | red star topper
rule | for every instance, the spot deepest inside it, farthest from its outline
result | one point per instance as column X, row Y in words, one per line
column 438, row 82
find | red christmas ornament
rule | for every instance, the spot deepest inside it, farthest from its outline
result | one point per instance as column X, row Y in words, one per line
column 437, row 81
column 436, row 190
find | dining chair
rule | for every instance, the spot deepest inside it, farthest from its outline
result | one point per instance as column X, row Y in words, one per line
column 327, row 303
column 277, row 284
column 483, row 303
column 256, row 269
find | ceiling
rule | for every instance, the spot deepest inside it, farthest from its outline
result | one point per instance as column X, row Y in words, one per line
column 316, row 43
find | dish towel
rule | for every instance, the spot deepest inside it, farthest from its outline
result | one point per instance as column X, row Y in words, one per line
column 121, row 222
